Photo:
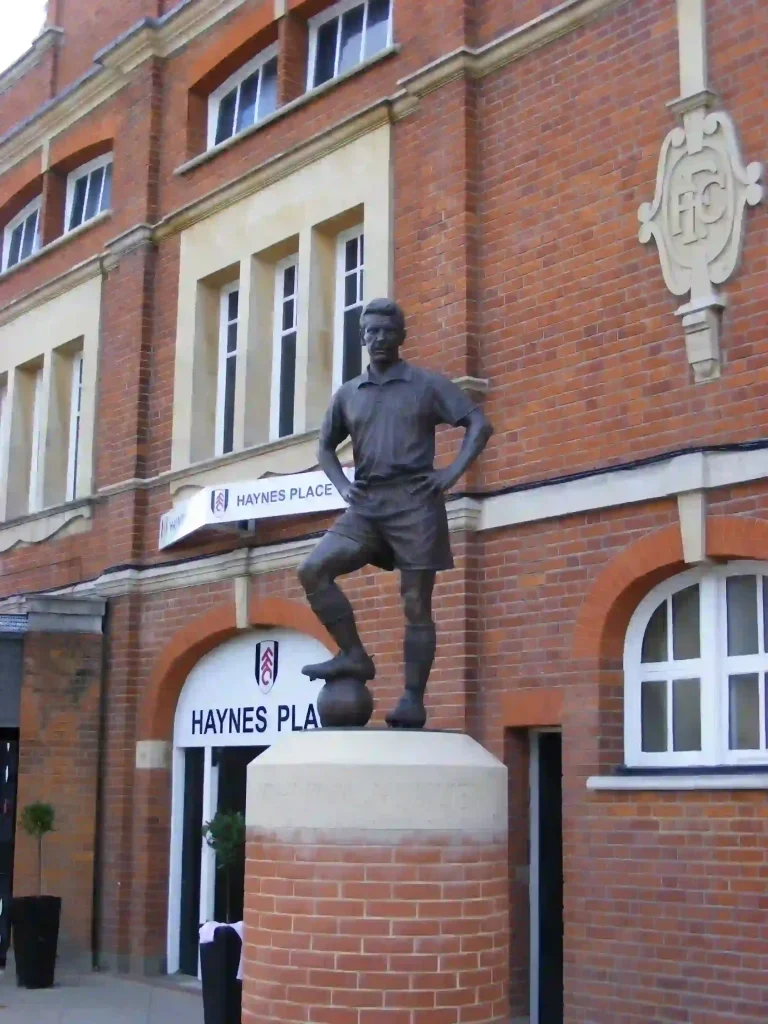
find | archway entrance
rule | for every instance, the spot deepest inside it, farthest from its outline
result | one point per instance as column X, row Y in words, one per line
column 236, row 702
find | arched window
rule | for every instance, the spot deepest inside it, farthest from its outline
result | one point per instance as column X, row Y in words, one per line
column 695, row 669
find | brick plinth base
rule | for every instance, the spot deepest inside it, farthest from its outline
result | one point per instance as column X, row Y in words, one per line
column 382, row 929
column 389, row 904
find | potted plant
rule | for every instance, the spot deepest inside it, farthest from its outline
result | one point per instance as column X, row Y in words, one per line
column 35, row 919
column 221, row 946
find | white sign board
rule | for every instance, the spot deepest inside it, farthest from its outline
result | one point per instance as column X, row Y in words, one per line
column 300, row 494
column 249, row 691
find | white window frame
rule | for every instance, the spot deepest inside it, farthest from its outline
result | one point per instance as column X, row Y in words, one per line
column 73, row 177
column 34, row 501
column 75, row 426
column 235, row 81
column 277, row 342
column 713, row 668
column 339, row 9
column 339, row 306
column 34, row 207
column 222, row 358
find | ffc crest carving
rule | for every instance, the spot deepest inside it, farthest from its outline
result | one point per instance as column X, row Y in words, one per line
column 697, row 219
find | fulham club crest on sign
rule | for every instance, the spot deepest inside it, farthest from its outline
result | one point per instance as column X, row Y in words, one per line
column 266, row 664
column 219, row 501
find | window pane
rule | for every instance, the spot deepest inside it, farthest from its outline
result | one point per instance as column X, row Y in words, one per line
column 225, row 126
column 744, row 703
column 92, row 205
column 14, row 249
column 686, row 642
column 377, row 29
column 287, row 383
column 741, row 598
column 353, row 349
column 268, row 95
column 233, row 302
column 231, row 337
column 288, row 315
column 686, row 714
column 653, row 716
column 351, row 297
column 289, row 281
column 325, row 57
column 229, row 404
column 78, row 202
column 246, row 115
column 106, row 192
column 350, row 255
column 28, row 241
column 655, row 639
column 351, row 38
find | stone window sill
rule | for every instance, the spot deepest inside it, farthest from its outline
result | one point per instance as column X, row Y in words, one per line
column 728, row 777
column 74, row 517
column 56, row 243
column 283, row 111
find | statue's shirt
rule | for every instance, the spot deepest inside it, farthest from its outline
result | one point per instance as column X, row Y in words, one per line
column 392, row 418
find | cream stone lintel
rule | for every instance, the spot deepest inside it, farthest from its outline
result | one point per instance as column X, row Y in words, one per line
column 242, row 589
column 692, row 37
column 281, row 7
column 59, row 522
column 153, row 755
column 692, row 513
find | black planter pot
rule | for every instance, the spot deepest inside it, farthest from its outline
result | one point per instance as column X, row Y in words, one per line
column 35, row 927
column 222, row 992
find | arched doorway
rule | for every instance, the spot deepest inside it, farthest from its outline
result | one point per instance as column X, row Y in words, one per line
column 236, row 701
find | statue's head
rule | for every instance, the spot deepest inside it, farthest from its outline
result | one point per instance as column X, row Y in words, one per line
column 382, row 329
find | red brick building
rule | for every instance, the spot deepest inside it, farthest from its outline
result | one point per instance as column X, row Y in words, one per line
column 195, row 199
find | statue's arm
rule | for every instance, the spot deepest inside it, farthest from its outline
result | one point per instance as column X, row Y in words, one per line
column 478, row 433
column 333, row 431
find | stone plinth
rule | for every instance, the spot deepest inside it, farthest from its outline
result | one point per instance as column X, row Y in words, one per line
column 376, row 881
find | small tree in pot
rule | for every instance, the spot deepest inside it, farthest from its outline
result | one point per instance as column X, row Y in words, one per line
column 220, row 956
column 35, row 919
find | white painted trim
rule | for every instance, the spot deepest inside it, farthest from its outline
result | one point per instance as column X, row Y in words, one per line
column 175, row 861
column 638, row 783
column 697, row 471
column 75, row 421
column 339, row 306
column 234, row 81
column 336, row 11
column 10, row 227
column 713, row 668
column 277, row 343
column 73, row 178
column 208, row 858
column 221, row 363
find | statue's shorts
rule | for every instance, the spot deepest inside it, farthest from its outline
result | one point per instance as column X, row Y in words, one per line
column 399, row 525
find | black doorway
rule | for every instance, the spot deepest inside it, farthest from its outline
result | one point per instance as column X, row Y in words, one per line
column 233, row 766
column 191, row 854
column 547, row 877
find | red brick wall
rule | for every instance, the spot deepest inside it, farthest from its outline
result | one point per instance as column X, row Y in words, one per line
column 383, row 928
column 58, row 764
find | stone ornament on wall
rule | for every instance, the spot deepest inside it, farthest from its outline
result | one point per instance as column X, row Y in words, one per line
column 697, row 218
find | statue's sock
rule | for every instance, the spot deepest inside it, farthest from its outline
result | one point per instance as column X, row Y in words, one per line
column 335, row 612
column 419, row 654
